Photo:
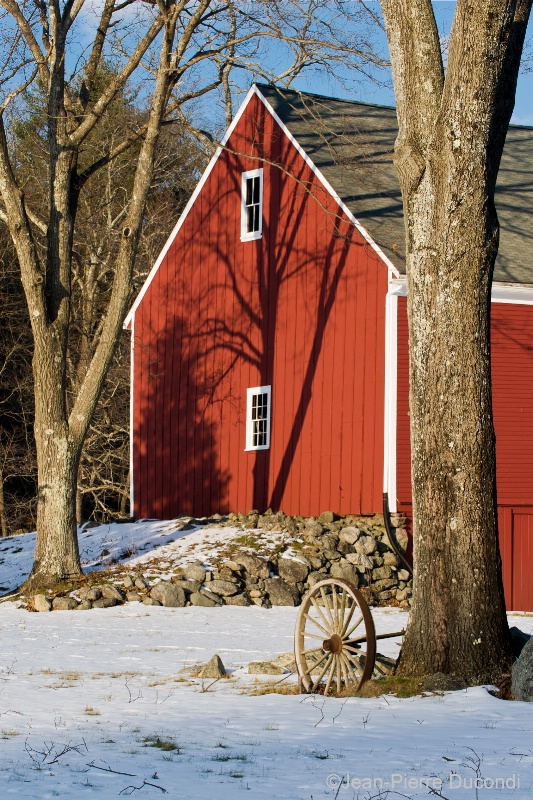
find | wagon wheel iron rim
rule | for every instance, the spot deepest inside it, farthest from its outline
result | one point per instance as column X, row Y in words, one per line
column 335, row 638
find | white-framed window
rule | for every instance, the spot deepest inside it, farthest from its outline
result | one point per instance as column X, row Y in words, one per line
column 252, row 205
column 258, row 415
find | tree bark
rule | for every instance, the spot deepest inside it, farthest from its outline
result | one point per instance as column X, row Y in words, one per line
column 452, row 129
column 3, row 522
column 56, row 553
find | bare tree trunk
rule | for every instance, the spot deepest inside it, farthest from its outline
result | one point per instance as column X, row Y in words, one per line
column 3, row 521
column 452, row 128
column 56, row 554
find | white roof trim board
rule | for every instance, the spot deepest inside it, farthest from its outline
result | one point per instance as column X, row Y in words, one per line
column 253, row 91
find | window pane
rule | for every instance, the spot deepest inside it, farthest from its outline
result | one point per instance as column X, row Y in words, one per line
column 249, row 191
column 256, row 189
column 250, row 219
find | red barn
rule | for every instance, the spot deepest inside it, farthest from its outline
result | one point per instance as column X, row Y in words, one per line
column 269, row 342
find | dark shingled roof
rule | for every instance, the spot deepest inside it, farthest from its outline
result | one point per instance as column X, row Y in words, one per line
column 352, row 144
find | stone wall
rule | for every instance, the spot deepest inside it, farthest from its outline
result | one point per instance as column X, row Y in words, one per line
column 262, row 569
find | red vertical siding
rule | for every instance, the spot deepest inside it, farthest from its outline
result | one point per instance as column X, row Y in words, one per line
column 512, row 397
column 301, row 309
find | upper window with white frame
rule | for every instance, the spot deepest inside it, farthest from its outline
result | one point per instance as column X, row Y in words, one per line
column 258, row 417
column 252, row 205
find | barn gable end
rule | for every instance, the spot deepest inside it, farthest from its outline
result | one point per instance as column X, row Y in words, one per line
column 300, row 309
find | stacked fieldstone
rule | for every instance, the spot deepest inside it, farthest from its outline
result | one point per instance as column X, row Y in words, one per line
column 353, row 548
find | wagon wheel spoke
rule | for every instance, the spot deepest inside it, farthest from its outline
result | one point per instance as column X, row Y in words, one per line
column 335, row 610
column 339, row 679
column 314, row 636
column 325, row 600
column 330, row 676
column 353, row 664
column 320, row 627
column 323, row 672
column 356, row 625
column 342, row 610
column 320, row 660
column 321, row 613
column 345, row 666
column 311, row 650
column 348, row 619
column 350, row 648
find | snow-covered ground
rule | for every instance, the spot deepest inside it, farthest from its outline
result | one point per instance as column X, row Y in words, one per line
column 101, row 703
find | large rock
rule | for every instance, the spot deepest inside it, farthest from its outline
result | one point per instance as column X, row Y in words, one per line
column 519, row 639
column 360, row 561
column 64, row 603
column 350, row 535
column 213, row 669
column 343, row 569
column 85, row 605
column 41, row 603
column 281, row 593
column 327, row 517
column 391, row 559
column 292, row 571
column 253, row 564
column 315, row 577
column 365, row 545
column 522, row 682
column 202, row 599
column 168, row 594
column 402, row 538
column 90, row 593
column 112, row 593
column 188, row 586
column 149, row 601
column 381, row 573
column 106, row 602
column 196, row 572
column 237, row 600
column 223, row 588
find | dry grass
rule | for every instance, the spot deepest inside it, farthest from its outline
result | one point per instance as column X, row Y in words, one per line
column 271, row 688
column 399, row 686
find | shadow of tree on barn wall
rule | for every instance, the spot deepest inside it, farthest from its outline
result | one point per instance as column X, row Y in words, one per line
column 175, row 461
column 291, row 310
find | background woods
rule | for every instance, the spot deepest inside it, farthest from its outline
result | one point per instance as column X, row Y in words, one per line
column 103, row 481
column 87, row 96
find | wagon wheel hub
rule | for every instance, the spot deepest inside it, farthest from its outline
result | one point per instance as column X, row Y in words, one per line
column 332, row 645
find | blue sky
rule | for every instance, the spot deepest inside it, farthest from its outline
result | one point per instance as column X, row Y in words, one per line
column 369, row 92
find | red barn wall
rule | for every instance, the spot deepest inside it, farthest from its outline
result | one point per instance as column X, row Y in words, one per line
column 302, row 309
column 512, row 397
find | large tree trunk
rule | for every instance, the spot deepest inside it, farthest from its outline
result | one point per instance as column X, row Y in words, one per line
column 452, row 127
column 58, row 454
column 56, row 553
column 458, row 623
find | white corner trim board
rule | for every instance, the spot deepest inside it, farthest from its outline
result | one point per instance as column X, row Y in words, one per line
column 252, row 91
column 391, row 390
column 132, row 375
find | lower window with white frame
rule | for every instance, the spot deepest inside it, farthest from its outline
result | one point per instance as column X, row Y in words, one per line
column 258, row 415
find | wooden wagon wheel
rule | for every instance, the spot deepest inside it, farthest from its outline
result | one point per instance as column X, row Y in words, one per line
column 335, row 639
